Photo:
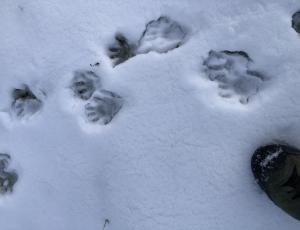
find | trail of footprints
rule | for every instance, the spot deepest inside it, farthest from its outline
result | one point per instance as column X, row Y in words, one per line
column 231, row 70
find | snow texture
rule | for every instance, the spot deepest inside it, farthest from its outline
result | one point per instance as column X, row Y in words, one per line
column 177, row 155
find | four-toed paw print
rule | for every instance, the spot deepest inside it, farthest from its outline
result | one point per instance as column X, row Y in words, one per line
column 84, row 84
column 25, row 103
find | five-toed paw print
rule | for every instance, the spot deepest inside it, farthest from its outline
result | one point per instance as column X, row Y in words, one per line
column 103, row 106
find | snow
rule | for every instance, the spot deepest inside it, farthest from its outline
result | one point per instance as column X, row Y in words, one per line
column 177, row 155
column 270, row 158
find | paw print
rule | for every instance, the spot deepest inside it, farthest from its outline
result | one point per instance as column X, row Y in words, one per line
column 7, row 178
column 25, row 103
column 121, row 50
column 84, row 84
column 103, row 107
column 231, row 71
column 161, row 35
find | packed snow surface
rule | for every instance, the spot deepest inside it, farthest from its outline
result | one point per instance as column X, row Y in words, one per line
column 176, row 155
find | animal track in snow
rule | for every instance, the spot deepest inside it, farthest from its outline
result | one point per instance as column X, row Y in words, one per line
column 98, row 105
column 296, row 21
column 103, row 106
column 84, row 84
column 25, row 102
column 161, row 35
column 231, row 70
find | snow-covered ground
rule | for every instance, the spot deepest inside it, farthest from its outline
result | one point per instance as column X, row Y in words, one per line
column 177, row 155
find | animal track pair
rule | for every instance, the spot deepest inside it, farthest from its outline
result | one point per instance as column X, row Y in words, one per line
column 102, row 105
column 231, row 70
column 161, row 35
column 8, row 178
